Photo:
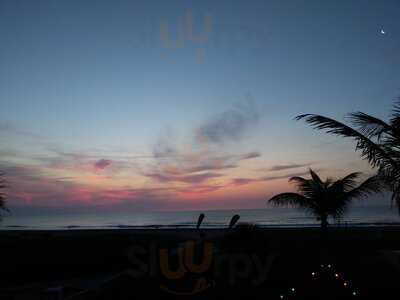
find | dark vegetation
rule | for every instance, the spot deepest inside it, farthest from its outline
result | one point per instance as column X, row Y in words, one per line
column 328, row 198
column 377, row 141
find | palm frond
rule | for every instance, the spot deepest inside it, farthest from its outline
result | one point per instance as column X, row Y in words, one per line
column 289, row 199
column 372, row 185
column 328, row 182
column 306, row 187
column 370, row 126
column 298, row 180
column 340, row 209
column 395, row 116
column 349, row 182
column 374, row 153
column 315, row 177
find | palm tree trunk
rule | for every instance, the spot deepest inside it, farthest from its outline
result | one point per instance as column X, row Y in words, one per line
column 324, row 234
column 324, row 223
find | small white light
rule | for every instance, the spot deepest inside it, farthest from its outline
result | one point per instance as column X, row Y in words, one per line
column 313, row 273
column 281, row 296
column 293, row 289
column 322, row 266
column 345, row 284
column 354, row 293
column 336, row 275
column 329, row 266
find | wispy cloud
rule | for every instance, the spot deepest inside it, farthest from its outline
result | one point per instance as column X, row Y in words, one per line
column 249, row 155
column 12, row 129
column 58, row 176
column 206, row 159
column 192, row 165
column 244, row 181
column 200, row 189
column 193, row 179
column 285, row 176
column 196, row 167
column 82, row 162
column 288, row 166
column 31, row 185
column 229, row 125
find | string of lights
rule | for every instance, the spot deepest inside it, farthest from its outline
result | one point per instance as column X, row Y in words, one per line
column 335, row 274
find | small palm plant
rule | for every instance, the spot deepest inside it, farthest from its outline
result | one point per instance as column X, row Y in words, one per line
column 327, row 198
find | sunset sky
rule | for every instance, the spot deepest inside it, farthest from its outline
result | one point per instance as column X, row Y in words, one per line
column 176, row 105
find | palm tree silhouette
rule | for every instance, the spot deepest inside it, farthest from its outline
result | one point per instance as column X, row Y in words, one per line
column 327, row 198
column 377, row 140
column 2, row 195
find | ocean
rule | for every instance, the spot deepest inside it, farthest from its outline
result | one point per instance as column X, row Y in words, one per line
column 271, row 217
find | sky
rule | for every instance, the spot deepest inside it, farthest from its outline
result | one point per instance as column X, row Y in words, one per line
column 179, row 105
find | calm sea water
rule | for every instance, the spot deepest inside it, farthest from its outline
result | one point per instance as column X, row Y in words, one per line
column 364, row 215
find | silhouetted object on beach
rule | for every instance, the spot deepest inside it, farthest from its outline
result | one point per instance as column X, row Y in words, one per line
column 327, row 198
column 233, row 221
column 2, row 195
column 246, row 231
column 378, row 141
column 199, row 221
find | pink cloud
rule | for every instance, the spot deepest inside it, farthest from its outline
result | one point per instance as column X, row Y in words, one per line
column 193, row 179
column 101, row 164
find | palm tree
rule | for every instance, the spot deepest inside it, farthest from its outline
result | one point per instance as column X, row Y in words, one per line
column 377, row 140
column 2, row 195
column 327, row 198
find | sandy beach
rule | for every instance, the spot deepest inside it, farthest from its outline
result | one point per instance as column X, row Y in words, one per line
column 99, row 261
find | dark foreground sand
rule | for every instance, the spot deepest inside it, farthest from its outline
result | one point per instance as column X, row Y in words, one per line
column 245, row 262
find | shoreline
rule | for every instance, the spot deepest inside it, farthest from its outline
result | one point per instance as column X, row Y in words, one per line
column 204, row 227
column 369, row 233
